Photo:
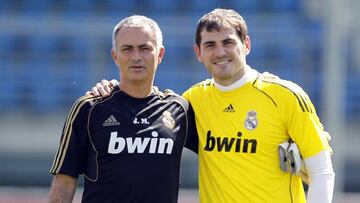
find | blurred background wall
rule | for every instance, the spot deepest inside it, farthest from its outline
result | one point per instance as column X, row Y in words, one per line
column 52, row 51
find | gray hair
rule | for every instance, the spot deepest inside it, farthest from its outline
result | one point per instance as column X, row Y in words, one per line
column 138, row 21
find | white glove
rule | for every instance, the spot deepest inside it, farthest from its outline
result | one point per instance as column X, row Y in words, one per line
column 290, row 160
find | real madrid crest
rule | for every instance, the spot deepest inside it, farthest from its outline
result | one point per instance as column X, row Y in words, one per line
column 251, row 121
column 168, row 120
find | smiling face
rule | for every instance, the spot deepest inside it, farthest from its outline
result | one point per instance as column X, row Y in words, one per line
column 137, row 55
column 223, row 54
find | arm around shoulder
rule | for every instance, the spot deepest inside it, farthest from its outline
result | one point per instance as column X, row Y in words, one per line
column 62, row 189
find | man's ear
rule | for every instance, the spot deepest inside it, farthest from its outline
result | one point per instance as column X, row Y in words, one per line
column 198, row 52
column 247, row 44
column 113, row 55
column 161, row 54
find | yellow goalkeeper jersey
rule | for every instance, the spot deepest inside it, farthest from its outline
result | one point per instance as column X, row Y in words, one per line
column 239, row 134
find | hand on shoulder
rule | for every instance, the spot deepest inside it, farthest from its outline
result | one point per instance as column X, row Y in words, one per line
column 103, row 88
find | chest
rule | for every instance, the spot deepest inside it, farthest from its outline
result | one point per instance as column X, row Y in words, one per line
column 156, row 128
column 241, row 124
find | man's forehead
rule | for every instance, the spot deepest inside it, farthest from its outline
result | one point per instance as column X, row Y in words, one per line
column 222, row 32
column 141, row 30
column 136, row 35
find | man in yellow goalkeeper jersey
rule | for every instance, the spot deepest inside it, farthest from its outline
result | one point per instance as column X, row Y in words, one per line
column 242, row 118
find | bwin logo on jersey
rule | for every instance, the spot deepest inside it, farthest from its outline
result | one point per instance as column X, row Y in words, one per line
column 140, row 145
column 251, row 121
column 230, row 144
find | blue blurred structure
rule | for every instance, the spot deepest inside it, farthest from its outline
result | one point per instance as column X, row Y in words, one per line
column 52, row 51
column 62, row 59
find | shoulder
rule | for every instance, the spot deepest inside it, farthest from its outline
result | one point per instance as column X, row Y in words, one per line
column 262, row 81
column 202, row 85
column 169, row 95
column 198, row 89
column 277, row 85
column 280, row 90
column 84, row 103
column 87, row 99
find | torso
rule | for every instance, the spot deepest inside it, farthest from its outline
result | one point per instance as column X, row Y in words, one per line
column 134, row 148
column 239, row 133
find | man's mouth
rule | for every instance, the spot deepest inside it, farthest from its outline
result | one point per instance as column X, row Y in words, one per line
column 137, row 67
column 222, row 62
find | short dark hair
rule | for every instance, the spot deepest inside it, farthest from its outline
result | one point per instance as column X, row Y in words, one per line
column 219, row 18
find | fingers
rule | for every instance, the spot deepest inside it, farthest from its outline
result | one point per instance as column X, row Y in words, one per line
column 114, row 82
column 103, row 88
column 95, row 91
column 108, row 85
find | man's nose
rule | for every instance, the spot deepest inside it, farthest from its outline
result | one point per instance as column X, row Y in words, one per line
column 136, row 57
column 219, row 51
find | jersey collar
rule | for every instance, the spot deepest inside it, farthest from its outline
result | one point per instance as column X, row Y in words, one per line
column 249, row 75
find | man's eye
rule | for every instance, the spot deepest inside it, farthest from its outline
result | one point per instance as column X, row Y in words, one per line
column 228, row 42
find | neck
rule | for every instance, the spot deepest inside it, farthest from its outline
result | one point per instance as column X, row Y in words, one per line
column 249, row 75
column 136, row 91
column 227, row 82
column 230, row 80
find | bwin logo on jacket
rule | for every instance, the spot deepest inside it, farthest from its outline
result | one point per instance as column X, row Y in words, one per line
column 140, row 145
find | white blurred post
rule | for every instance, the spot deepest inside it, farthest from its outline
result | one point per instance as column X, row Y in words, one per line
column 334, row 69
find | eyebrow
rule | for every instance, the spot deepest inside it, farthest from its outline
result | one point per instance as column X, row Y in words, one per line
column 228, row 40
column 208, row 43
column 144, row 45
column 126, row 46
column 141, row 45
column 212, row 42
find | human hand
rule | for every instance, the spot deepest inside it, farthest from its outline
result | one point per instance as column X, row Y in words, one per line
column 103, row 88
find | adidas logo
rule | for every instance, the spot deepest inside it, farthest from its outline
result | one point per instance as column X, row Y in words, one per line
column 230, row 108
column 111, row 121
